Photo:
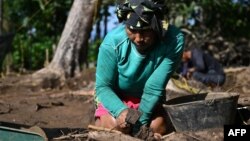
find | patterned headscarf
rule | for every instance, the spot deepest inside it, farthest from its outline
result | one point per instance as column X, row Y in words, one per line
column 142, row 14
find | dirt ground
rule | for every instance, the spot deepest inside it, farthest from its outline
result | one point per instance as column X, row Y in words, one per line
column 57, row 111
column 70, row 109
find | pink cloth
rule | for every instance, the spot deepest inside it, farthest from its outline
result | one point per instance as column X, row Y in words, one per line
column 131, row 102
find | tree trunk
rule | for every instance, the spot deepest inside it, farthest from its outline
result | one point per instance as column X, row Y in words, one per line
column 75, row 35
column 1, row 17
column 106, row 14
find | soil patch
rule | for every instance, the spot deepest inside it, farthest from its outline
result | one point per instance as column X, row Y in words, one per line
column 70, row 109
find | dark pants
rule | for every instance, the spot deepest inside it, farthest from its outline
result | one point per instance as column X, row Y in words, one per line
column 210, row 78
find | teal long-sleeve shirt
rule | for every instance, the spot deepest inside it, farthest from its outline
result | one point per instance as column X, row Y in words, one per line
column 122, row 69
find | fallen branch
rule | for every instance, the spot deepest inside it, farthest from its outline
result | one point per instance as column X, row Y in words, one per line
column 234, row 70
column 167, row 135
column 74, row 93
column 83, row 92
column 85, row 135
column 97, row 128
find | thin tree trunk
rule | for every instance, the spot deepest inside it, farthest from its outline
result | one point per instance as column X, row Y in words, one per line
column 106, row 14
column 1, row 17
column 65, row 62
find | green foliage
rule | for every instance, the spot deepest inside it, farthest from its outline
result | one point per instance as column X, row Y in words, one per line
column 47, row 17
column 231, row 18
column 223, row 17
column 30, row 53
column 93, row 50
column 37, row 25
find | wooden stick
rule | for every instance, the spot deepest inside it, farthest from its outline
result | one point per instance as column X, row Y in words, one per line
column 71, row 136
column 167, row 135
column 93, row 127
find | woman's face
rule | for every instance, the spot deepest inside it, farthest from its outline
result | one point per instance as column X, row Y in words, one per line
column 143, row 39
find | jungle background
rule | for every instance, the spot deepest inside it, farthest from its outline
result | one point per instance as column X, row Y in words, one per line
column 49, row 48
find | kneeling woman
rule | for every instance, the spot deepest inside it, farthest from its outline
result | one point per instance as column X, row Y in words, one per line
column 135, row 62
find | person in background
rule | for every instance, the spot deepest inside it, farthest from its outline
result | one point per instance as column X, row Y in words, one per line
column 135, row 62
column 202, row 67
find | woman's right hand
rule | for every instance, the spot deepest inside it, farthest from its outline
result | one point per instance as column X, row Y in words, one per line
column 121, row 119
column 121, row 123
